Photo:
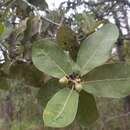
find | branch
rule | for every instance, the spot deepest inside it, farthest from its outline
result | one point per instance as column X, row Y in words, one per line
column 35, row 8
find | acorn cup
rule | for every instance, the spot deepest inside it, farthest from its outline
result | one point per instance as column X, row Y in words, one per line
column 78, row 87
column 64, row 80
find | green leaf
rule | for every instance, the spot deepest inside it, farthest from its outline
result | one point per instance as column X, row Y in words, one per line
column 89, row 23
column 95, row 50
column 75, row 66
column 4, row 83
column 87, row 110
column 48, row 90
column 6, row 33
column 61, row 109
column 49, row 58
column 2, row 28
column 109, row 80
column 65, row 37
column 67, row 40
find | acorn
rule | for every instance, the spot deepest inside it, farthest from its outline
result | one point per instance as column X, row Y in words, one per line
column 78, row 87
column 64, row 80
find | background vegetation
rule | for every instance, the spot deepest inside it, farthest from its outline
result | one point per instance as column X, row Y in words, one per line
column 23, row 22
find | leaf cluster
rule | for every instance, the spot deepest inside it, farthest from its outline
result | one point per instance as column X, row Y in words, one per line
column 90, row 71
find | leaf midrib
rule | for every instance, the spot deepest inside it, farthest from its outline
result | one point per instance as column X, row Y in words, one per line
column 47, row 54
column 66, row 101
column 98, row 46
column 118, row 79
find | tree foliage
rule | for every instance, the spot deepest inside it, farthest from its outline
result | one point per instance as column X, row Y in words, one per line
column 68, row 58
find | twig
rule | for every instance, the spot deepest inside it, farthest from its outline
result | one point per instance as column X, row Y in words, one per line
column 35, row 8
